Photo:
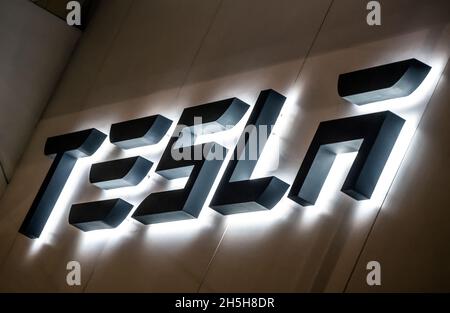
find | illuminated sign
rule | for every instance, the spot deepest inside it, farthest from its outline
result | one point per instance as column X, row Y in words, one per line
column 372, row 135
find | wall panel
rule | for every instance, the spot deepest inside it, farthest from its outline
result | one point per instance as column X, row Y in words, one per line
column 2, row 185
column 409, row 238
column 240, row 56
column 32, row 59
column 141, row 57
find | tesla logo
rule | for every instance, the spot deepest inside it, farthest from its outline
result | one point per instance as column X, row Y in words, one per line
column 372, row 135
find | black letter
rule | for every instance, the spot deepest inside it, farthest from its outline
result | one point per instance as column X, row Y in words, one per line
column 236, row 192
column 68, row 148
column 372, row 135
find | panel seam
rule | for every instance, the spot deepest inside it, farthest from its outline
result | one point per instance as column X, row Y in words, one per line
column 212, row 259
column 197, row 52
column 313, row 42
column 292, row 85
column 86, row 97
column 393, row 180
column 4, row 173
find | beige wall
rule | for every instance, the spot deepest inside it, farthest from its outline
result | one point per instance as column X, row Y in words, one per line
column 410, row 237
column 141, row 57
column 34, row 49
column 2, row 184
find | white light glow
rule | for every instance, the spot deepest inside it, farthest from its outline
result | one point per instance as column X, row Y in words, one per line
column 79, row 180
column 280, row 212
column 290, row 110
column 227, row 138
column 331, row 189
column 269, row 159
column 56, row 219
column 409, row 108
column 409, row 102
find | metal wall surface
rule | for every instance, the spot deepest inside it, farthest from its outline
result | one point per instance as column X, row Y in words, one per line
column 409, row 238
column 35, row 47
column 141, row 58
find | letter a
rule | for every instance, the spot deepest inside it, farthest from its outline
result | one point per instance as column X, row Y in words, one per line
column 74, row 16
column 374, row 276
column 73, row 278
column 374, row 16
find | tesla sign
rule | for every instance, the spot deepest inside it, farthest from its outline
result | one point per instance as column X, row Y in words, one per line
column 372, row 135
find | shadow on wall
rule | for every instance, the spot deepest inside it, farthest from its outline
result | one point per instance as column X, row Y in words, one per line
column 34, row 49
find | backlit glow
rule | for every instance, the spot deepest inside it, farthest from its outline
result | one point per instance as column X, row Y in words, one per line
column 78, row 188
